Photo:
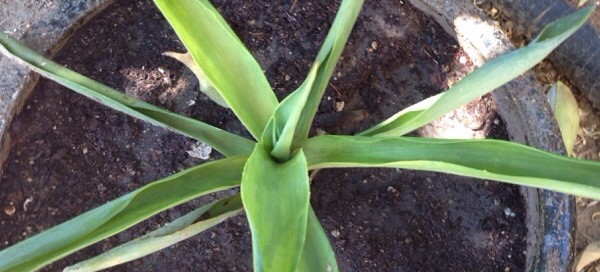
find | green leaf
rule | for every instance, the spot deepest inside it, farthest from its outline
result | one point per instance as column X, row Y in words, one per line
column 276, row 199
column 485, row 79
column 205, row 85
column 317, row 254
column 120, row 214
column 227, row 143
column 280, row 131
column 327, row 59
column 487, row 159
column 183, row 228
column 223, row 58
column 564, row 105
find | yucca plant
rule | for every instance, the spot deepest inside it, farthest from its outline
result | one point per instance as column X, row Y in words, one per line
column 272, row 170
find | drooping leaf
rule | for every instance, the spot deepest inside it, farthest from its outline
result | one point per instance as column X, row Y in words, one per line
column 276, row 200
column 120, row 214
column 205, row 85
column 487, row 159
column 486, row 78
column 224, row 59
column 183, row 228
column 317, row 254
column 327, row 59
column 225, row 142
column 564, row 105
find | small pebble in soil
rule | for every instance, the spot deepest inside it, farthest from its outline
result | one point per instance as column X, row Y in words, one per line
column 374, row 45
column 339, row 106
column 509, row 213
column 200, row 150
column 462, row 59
column 393, row 190
column 320, row 132
column 9, row 209
column 335, row 233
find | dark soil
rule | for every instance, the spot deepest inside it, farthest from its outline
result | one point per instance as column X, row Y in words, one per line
column 70, row 154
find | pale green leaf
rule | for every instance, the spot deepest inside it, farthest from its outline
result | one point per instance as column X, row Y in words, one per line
column 183, row 228
column 327, row 59
column 317, row 255
column 225, row 142
column 409, row 113
column 485, row 79
column 487, row 159
column 276, row 200
column 120, row 214
column 224, row 59
column 205, row 85
column 280, row 131
column 564, row 105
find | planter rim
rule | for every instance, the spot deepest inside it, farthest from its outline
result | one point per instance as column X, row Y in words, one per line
column 523, row 105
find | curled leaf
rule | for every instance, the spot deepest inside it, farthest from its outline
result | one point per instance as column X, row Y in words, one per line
column 564, row 106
